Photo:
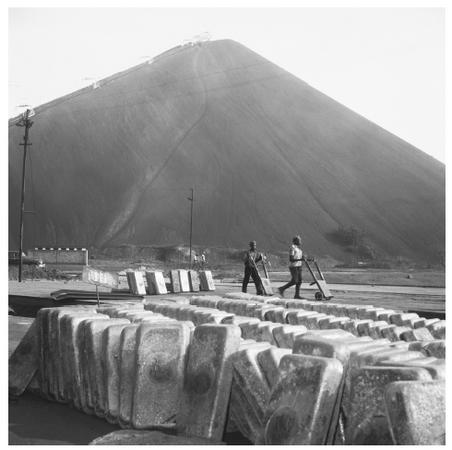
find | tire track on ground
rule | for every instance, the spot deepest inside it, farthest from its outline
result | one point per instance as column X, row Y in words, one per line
column 128, row 207
column 274, row 136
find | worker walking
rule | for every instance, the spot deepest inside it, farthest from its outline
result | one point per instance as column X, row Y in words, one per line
column 195, row 261
column 251, row 257
column 295, row 263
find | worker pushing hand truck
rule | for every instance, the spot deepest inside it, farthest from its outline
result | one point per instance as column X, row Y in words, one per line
column 251, row 257
column 296, row 260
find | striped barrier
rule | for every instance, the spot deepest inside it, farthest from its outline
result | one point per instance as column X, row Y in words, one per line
column 181, row 280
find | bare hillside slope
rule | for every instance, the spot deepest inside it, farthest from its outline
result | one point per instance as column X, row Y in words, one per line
column 267, row 155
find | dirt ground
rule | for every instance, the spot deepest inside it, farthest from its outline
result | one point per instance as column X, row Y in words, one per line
column 36, row 421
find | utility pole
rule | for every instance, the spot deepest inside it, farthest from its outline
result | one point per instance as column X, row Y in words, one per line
column 27, row 123
column 191, row 199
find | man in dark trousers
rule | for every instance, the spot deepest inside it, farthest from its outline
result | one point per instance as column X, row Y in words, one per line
column 251, row 257
column 295, row 263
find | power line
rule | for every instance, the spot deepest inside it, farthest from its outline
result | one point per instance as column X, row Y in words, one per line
column 191, row 199
column 106, row 82
column 81, row 91
column 32, row 189
column 184, row 79
column 187, row 94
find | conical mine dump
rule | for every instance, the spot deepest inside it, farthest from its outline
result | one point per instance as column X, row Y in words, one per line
column 267, row 155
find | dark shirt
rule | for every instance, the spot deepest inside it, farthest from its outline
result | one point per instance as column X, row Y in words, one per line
column 250, row 256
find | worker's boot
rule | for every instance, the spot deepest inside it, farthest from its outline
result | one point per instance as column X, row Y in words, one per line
column 297, row 291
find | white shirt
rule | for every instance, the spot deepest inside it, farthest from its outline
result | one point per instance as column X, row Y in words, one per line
column 296, row 253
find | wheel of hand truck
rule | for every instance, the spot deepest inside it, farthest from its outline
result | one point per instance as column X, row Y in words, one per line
column 318, row 296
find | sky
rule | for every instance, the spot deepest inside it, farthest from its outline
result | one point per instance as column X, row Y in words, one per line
column 387, row 64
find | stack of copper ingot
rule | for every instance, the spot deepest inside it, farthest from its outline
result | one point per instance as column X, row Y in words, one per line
column 190, row 369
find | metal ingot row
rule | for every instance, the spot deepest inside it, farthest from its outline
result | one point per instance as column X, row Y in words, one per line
column 346, row 366
column 425, row 335
column 282, row 383
column 134, row 367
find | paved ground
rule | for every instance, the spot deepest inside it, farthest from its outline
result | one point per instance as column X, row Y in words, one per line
column 40, row 288
column 43, row 288
column 395, row 297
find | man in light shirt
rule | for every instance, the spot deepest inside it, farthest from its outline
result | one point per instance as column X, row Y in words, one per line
column 195, row 261
column 295, row 262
